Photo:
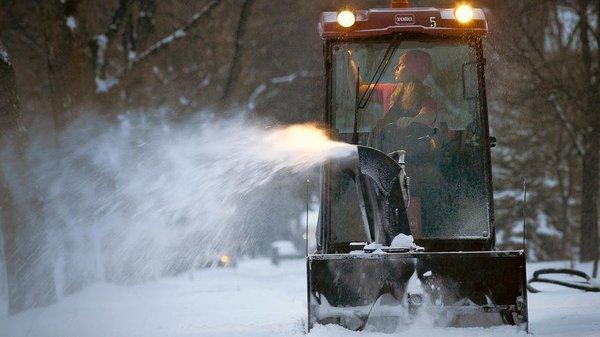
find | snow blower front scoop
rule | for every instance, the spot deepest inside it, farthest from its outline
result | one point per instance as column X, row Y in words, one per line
column 371, row 276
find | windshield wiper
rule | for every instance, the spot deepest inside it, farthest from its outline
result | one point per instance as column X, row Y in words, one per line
column 362, row 101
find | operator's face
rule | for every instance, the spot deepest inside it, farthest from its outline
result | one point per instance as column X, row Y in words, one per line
column 400, row 73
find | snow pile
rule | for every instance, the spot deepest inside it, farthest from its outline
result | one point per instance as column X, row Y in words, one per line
column 405, row 241
column 402, row 241
column 378, row 251
column 419, row 330
column 373, row 246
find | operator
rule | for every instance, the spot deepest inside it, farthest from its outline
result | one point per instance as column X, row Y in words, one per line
column 404, row 103
column 408, row 123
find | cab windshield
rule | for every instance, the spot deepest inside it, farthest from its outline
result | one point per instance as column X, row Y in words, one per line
column 421, row 97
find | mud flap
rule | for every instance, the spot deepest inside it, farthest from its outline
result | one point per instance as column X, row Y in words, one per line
column 369, row 291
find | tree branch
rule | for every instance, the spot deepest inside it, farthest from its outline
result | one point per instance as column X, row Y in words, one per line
column 559, row 113
column 251, row 105
column 100, row 43
column 104, row 84
column 18, row 30
column 236, row 51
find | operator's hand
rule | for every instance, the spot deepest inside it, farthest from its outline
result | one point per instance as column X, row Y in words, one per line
column 404, row 122
column 349, row 56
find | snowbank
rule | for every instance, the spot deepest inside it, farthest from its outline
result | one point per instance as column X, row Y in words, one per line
column 258, row 299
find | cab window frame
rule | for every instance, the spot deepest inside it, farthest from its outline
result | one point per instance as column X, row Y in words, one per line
column 487, row 238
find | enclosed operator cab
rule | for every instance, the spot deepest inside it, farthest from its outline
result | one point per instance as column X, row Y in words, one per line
column 407, row 86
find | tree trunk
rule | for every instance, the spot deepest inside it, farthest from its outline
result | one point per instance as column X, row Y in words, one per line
column 68, row 88
column 29, row 274
column 58, row 54
column 591, row 159
column 589, row 206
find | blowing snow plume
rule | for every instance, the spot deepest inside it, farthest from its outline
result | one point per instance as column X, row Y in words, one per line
column 145, row 197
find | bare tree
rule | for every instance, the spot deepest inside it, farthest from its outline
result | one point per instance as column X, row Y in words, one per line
column 553, row 49
column 105, row 81
column 29, row 275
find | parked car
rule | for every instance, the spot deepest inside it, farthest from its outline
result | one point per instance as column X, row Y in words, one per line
column 222, row 260
column 284, row 250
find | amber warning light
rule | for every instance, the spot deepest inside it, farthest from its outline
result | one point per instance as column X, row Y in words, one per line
column 463, row 13
column 346, row 18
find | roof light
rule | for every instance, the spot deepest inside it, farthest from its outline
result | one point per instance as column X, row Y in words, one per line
column 463, row 13
column 346, row 18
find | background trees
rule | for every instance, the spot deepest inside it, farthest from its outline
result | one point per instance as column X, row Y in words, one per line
column 546, row 104
column 105, row 57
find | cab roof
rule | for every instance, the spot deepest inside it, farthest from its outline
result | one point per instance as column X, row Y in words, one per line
column 385, row 21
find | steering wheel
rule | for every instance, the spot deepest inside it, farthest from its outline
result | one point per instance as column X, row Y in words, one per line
column 415, row 138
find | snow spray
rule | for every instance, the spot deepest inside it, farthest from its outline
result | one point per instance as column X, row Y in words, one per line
column 144, row 197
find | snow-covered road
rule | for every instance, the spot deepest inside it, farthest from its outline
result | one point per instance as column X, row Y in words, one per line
column 256, row 299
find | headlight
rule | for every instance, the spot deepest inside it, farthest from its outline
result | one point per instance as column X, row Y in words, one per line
column 224, row 259
column 463, row 13
column 346, row 18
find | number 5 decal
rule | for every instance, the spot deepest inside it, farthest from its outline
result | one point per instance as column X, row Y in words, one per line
column 432, row 21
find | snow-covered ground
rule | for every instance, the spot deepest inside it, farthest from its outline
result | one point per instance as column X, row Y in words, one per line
column 258, row 299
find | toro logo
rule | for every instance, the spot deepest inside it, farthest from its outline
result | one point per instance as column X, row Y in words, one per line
column 405, row 19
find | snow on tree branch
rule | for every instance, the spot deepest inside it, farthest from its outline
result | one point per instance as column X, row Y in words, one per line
column 4, row 55
column 104, row 83
column 251, row 105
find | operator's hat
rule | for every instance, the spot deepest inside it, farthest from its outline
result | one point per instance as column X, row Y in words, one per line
column 417, row 62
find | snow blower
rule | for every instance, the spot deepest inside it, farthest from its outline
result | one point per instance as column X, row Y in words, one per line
column 407, row 87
